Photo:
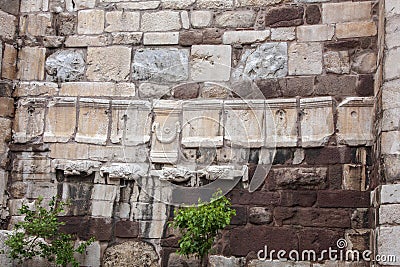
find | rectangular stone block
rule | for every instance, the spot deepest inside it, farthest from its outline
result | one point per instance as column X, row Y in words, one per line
column 5, row 133
column 214, row 4
column 122, row 21
column 93, row 121
column 392, row 7
column 160, row 21
column 355, row 121
column 166, row 129
column 60, row 120
column 131, row 122
column 389, row 214
column 245, row 37
column 141, row 5
column 391, row 66
column 314, row 111
column 201, row 18
column 119, row 153
column 391, row 94
column 34, row 5
column 108, row 63
column 283, row 34
column 210, row 62
column 160, row 38
column 86, row 40
column 42, row 189
column 104, row 192
column 147, row 211
column 355, row 29
column 298, row 178
column 29, row 119
column 6, row 107
column 244, row 123
column 346, row 12
column 235, row 19
column 90, row 21
column 132, row 38
column 337, row 62
column 31, row 63
column 391, row 167
column 305, row 58
column 36, row 89
column 69, row 151
column 102, row 208
column 390, row 143
column 281, row 123
column 74, row 5
column 202, row 124
column 9, row 62
column 389, row 194
column 33, row 164
column 36, row 25
column 98, row 89
column 388, row 245
column 315, row 33
column 8, row 24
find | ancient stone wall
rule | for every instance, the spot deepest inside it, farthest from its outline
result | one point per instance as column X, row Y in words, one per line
column 128, row 107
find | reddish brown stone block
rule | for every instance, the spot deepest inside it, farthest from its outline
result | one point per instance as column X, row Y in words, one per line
column 328, row 155
column 243, row 197
column 319, row 239
column 313, row 14
column 186, row 91
column 365, row 85
column 293, row 198
column 100, row 228
column 284, row 16
column 128, row 229
column 343, row 199
column 344, row 85
column 298, row 86
column 188, row 38
column 270, row 88
column 241, row 215
column 212, row 36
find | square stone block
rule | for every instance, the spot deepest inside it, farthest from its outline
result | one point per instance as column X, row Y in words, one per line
column 90, row 21
column 60, row 120
column 305, row 58
column 31, row 63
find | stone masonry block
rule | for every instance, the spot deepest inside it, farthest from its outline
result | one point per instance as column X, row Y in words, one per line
column 93, row 121
column 389, row 214
column 8, row 25
column 305, row 58
column 390, row 143
column 34, row 5
column 235, row 19
column 389, row 194
column 392, row 7
column 391, row 66
column 108, row 63
column 346, row 12
column 356, row 29
column 315, row 33
column 6, row 107
column 391, row 94
column 86, row 40
column 36, row 89
column 211, row 62
column 31, row 63
column 161, row 38
column 36, row 25
column 201, row 18
column 214, row 4
column 122, row 21
column 161, row 21
column 388, row 243
column 243, row 3
column 90, row 21
column 69, row 151
column 244, row 37
column 9, row 62
column 60, row 120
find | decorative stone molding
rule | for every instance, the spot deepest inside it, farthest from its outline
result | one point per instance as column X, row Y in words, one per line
column 127, row 171
column 73, row 168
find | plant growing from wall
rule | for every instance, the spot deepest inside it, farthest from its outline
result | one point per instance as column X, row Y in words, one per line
column 200, row 224
column 38, row 235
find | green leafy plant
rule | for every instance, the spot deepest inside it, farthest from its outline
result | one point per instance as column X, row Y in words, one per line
column 38, row 235
column 200, row 224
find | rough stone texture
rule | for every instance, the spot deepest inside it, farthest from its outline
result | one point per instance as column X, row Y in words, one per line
column 90, row 21
column 235, row 19
column 176, row 4
column 108, row 63
column 154, row 90
column 392, row 38
column 305, row 58
column 186, row 91
column 337, row 62
column 8, row 25
column 31, row 63
column 65, row 66
column 34, row 6
column 97, row 89
column 176, row 260
column 9, row 62
column 130, row 253
column 387, row 243
column 336, row 85
column 201, row 19
column 313, row 14
column 221, row 261
column 284, row 16
column 355, row 29
column 346, row 12
column 36, row 25
column 131, row 38
column 60, row 120
column 86, row 40
column 299, row 178
column 160, row 21
column 390, row 194
column 391, row 67
column 269, row 60
column 245, row 37
column 140, row 5
column 243, row 3
column 283, row 34
column 364, row 62
column 217, row 4
column 260, row 215
column 159, row 64
column 389, row 214
column 161, row 38
column 210, row 62
column 122, row 21
column 315, row 33
column 10, row 6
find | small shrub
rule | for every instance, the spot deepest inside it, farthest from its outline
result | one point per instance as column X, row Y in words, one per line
column 199, row 225
column 39, row 236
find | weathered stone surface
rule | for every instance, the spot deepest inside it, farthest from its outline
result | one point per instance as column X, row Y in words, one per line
column 390, row 142
column 355, row 29
column 60, row 120
column 283, row 34
column 8, row 25
column 390, row 120
column 73, row 5
column 66, row 23
column 132, row 38
column 244, row 124
column 186, row 91
column 212, row 36
column 108, row 63
column 337, row 62
column 270, row 88
column 282, row 114
column 244, row 37
column 235, row 19
column 345, row 85
column 201, row 124
column 284, row 16
column 158, row 64
column 392, row 37
column 221, row 261
column 201, row 18
column 122, row 21
column 364, row 62
column 90, row 21
column 127, row 229
column 390, row 93
column 299, row 178
column 390, row 194
column 160, row 21
column 93, row 121
column 268, row 60
column 34, row 6
column 260, row 215
column 346, row 12
column 314, row 133
column 315, row 33
column 210, row 62
column 161, row 38
column 243, row 3
column 313, row 14
column 65, row 66
column 298, row 86
column 97, row 89
column 53, row 41
column 189, row 38
column 6, row 107
column 177, row 4
column 10, row 6
column 214, row 4
column 91, row 256
column 389, row 214
column 176, row 260
column 9, row 62
column 130, row 253
column 215, row 90
column 355, row 122
column 69, row 151
column 140, row 5
column 154, row 90
column 305, row 58
column 387, row 243
column 29, row 119
column 36, row 25
column 31, row 63
column 86, row 40
column 131, row 122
